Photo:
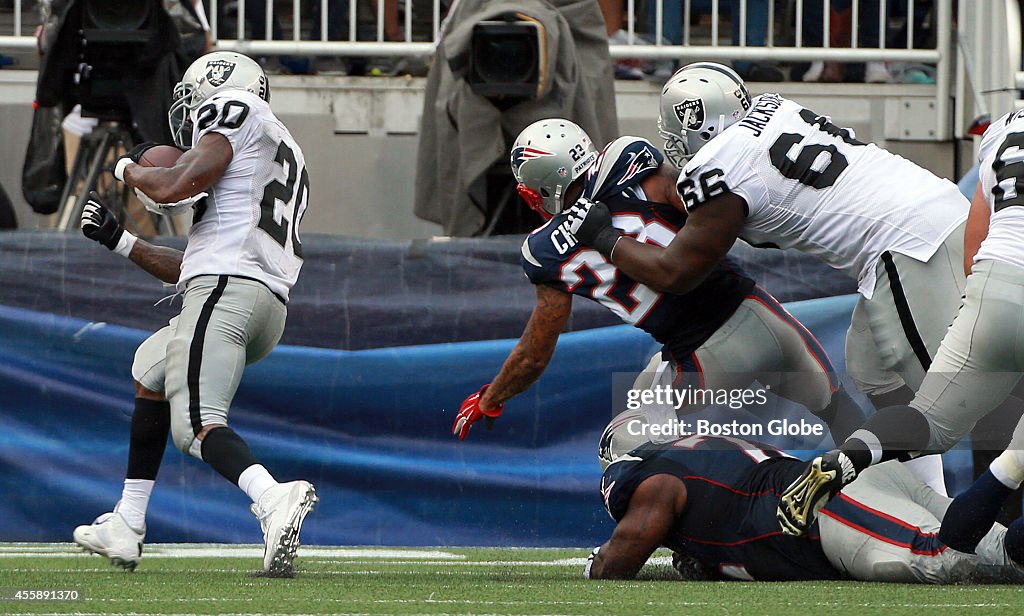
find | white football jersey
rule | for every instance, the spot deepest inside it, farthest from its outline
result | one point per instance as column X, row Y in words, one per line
column 812, row 186
column 1002, row 181
column 249, row 225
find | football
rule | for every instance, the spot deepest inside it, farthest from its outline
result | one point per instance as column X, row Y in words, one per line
column 160, row 156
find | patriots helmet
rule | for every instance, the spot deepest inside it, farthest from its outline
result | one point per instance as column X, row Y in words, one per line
column 547, row 157
column 697, row 103
column 212, row 73
column 624, row 433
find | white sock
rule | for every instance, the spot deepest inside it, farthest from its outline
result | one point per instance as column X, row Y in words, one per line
column 134, row 501
column 256, row 480
column 929, row 470
column 1007, row 469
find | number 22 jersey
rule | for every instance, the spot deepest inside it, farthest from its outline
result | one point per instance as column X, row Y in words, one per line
column 248, row 226
column 551, row 255
column 813, row 186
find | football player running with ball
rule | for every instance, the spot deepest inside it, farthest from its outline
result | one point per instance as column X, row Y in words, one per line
column 722, row 335
column 775, row 174
column 242, row 258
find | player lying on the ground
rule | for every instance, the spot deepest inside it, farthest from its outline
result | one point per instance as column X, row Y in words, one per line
column 242, row 258
column 981, row 358
column 722, row 335
column 712, row 500
column 778, row 175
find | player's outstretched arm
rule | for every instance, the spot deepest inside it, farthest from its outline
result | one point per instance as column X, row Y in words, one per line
column 101, row 225
column 653, row 510
column 707, row 236
column 196, row 170
column 525, row 363
column 977, row 228
column 532, row 353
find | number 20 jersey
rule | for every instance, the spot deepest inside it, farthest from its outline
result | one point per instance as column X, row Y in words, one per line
column 1002, row 181
column 812, row 186
column 248, row 225
column 553, row 256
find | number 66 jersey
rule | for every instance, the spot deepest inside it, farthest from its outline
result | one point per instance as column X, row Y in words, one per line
column 813, row 186
column 249, row 224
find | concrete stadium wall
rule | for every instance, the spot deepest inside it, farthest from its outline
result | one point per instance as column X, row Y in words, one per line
column 360, row 134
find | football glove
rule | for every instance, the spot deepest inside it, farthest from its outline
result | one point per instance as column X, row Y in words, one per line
column 692, row 569
column 591, row 224
column 99, row 223
column 169, row 209
column 470, row 413
column 132, row 157
column 590, row 562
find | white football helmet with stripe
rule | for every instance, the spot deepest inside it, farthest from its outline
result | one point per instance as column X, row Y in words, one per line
column 697, row 103
column 547, row 157
column 212, row 73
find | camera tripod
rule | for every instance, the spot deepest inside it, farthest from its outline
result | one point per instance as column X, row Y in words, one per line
column 95, row 156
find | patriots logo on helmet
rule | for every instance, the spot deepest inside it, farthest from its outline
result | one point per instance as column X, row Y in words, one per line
column 525, row 153
column 638, row 162
column 218, row 72
column 690, row 112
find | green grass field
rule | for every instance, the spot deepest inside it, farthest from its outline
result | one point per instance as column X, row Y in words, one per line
column 209, row 579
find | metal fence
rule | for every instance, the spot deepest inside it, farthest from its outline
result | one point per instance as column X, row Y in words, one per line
column 653, row 29
column 786, row 31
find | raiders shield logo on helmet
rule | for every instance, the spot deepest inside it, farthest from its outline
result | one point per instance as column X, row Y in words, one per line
column 218, row 72
column 690, row 112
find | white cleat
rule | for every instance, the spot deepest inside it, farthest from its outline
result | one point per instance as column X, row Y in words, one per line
column 281, row 511
column 111, row 537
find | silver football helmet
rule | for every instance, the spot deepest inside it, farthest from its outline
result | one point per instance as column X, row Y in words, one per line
column 214, row 72
column 697, row 103
column 547, row 157
column 623, row 434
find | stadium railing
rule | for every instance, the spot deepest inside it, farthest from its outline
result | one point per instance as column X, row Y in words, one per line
column 987, row 44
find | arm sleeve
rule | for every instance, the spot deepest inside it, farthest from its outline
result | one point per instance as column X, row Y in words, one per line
column 703, row 179
column 536, row 267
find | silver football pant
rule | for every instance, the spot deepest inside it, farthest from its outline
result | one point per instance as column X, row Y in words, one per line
column 894, row 335
column 883, row 527
column 197, row 360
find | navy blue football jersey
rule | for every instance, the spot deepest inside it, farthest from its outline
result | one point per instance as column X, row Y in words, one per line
column 551, row 255
column 729, row 522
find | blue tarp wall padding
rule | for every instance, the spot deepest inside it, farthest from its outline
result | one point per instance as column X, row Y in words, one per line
column 370, row 428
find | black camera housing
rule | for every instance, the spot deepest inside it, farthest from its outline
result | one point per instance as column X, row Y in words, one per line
column 113, row 34
column 507, row 59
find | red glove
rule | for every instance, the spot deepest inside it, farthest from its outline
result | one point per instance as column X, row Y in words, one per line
column 470, row 413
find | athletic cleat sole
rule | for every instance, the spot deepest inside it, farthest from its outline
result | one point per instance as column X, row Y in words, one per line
column 800, row 503
column 287, row 548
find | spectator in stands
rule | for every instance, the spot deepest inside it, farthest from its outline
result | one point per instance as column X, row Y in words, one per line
column 840, row 35
column 756, row 32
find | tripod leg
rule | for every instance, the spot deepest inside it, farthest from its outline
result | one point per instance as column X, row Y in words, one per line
column 95, row 167
column 77, row 175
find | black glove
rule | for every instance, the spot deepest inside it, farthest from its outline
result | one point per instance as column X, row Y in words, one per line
column 99, row 223
column 591, row 223
column 692, row 569
column 132, row 156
